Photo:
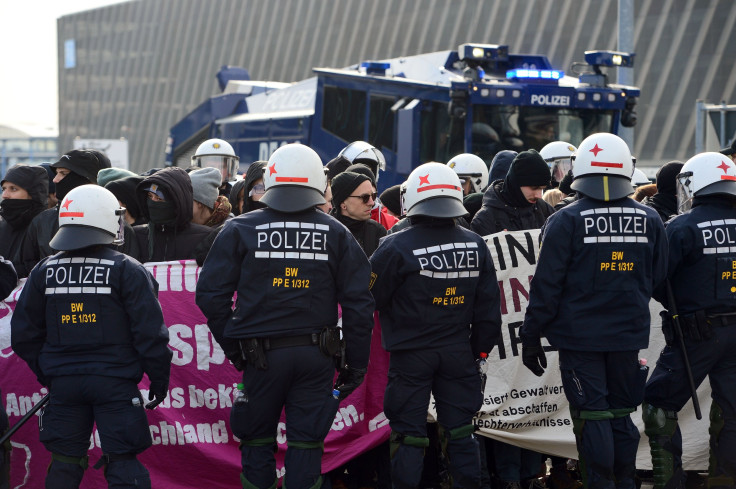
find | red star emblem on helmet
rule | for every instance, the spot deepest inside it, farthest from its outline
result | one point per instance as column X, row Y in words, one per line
column 272, row 169
column 724, row 166
column 424, row 179
column 66, row 204
column 596, row 149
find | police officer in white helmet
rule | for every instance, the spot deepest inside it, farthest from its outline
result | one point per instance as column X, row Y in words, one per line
column 558, row 155
column 472, row 171
column 89, row 325
column 601, row 258
column 427, row 330
column 219, row 154
column 703, row 284
column 290, row 264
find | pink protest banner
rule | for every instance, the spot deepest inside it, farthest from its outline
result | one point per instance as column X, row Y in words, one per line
column 192, row 442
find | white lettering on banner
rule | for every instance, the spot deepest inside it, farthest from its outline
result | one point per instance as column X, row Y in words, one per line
column 717, row 236
column 19, row 405
column 180, row 434
column 538, row 99
column 532, row 412
column 209, row 352
column 346, row 417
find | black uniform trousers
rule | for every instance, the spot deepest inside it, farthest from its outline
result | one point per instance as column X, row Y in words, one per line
column 451, row 375
column 298, row 380
column 599, row 382
column 65, row 426
column 668, row 388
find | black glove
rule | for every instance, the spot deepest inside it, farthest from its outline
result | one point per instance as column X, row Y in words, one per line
column 237, row 359
column 156, row 394
column 534, row 358
column 348, row 380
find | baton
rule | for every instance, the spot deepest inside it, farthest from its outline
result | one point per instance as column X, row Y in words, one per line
column 25, row 418
column 678, row 333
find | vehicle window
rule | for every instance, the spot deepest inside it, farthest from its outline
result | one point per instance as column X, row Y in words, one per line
column 343, row 113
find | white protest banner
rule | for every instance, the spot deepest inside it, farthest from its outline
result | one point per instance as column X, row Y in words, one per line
column 532, row 412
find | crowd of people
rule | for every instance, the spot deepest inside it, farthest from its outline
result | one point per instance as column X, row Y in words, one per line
column 605, row 253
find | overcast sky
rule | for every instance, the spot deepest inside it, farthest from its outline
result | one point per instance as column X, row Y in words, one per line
column 29, row 83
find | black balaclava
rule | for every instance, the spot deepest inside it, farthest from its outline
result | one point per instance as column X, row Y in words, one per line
column 69, row 183
column 162, row 213
column 34, row 180
column 528, row 169
column 667, row 177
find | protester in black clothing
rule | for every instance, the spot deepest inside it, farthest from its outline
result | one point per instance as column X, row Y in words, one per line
column 353, row 198
column 665, row 200
column 75, row 168
column 25, row 195
column 166, row 200
column 516, row 203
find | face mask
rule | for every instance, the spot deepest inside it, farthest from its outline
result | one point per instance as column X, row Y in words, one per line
column 19, row 212
column 162, row 213
column 68, row 183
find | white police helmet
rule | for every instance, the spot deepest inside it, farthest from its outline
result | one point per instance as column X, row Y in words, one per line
column 639, row 178
column 294, row 178
column 88, row 215
column 558, row 155
column 217, row 153
column 705, row 174
column 472, row 167
column 365, row 153
column 434, row 189
column 602, row 167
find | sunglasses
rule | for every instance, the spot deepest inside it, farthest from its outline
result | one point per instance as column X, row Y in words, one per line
column 365, row 197
column 258, row 189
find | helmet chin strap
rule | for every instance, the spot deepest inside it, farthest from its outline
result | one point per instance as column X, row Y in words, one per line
column 120, row 238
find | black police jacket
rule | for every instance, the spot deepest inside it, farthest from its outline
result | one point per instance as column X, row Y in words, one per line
column 702, row 257
column 431, row 281
column 498, row 215
column 289, row 271
column 91, row 311
column 598, row 266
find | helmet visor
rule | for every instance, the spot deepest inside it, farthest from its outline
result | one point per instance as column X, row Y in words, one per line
column 559, row 168
column 684, row 192
column 226, row 164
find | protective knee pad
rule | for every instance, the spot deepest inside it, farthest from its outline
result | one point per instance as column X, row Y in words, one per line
column 317, row 484
column 579, row 418
column 660, row 425
column 463, row 470
column 406, row 465
column 716, row 476
column 127, row 473
column 65, row 471
column 398, row 439
column 248, row 485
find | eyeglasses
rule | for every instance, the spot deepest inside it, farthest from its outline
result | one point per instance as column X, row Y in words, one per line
column 258, row 189
column 365, row 197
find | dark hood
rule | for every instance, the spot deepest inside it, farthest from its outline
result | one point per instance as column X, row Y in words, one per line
column 254, row 172
column 124, row 189
column 234, row 199
column 500, row 165
column 176, row 187
column 32, row 179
